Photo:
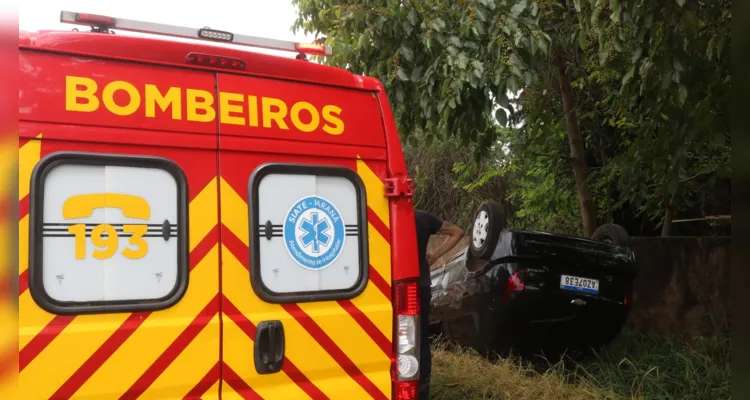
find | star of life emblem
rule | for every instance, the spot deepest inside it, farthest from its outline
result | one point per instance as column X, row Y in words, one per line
column 314, row 232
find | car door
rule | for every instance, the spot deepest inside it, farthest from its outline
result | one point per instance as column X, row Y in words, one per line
column 306, row 263
column 118, row 236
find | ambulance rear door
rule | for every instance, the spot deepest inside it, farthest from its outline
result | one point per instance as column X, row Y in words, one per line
column 306, row 260
column 118, row 236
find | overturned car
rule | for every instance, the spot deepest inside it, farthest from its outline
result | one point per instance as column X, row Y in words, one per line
column 532, row 292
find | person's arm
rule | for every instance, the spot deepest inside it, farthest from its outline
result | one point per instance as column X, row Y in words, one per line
column 454, row 234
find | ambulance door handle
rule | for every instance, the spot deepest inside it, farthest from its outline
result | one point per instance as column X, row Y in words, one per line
column 269, row 347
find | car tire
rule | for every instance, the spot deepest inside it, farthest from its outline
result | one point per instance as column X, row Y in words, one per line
column 489, row 220
column 613, row 234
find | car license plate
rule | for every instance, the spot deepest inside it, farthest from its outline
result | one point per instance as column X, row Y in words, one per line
column 578, row 284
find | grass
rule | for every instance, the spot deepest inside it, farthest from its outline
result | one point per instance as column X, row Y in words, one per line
column 634, row 366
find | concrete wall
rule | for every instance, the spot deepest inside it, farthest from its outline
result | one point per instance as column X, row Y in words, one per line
column 682, row 286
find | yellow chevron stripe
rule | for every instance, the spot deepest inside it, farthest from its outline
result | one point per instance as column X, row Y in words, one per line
column 28, row 156
column 204, row 214
column 304, row 351
column 375, row 188
column 240, row 359
column 203, row 217
column 227, row 393
column 147, row 343
column 190, row 366
column 86, row 333
column 380, row 253
column 212, row 393
column 31, row 319
column 352, row 340
column 52, row 367
column 376, row 308
column 23, row 244
column 235, row 210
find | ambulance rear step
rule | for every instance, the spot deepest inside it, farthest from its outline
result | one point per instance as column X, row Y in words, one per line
column 100, row 23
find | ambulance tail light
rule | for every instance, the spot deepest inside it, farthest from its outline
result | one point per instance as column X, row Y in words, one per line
column 405, row 365
column 208, row 60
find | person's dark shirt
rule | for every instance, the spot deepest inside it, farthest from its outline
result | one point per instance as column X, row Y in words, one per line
column 427, row 225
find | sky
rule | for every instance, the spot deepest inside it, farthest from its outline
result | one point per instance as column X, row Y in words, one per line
column 265, row 18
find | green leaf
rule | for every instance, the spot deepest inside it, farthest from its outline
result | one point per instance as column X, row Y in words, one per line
column 636, row 54
column 582, row 40
column 534, row 9
column 480, row 14
column 518, row 8
column 362, row 42
column 576, row 3
column 501, row 117
column 648, row 20
column 463, row 61
column 628, row 76
column 528, row 78
column 455, row 40
column 413, row 17
column 603, row 55
column 516, row 61
column 407, row 53
column 616, row 10
column 413, row 140
column 438, row 24
column 683, row 93
column 680, row 2
column 402, row 75
column 416, row 74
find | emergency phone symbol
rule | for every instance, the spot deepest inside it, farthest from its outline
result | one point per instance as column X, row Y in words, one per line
column 105, row 236
column 314, row 232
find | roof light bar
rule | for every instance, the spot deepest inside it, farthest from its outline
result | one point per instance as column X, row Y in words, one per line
column 215, row 35
column 76, row 18
column 93, row 19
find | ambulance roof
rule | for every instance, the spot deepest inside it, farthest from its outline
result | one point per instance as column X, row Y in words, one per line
column 165, row 51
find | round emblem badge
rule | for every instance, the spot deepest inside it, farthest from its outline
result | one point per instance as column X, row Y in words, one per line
column 314, row 232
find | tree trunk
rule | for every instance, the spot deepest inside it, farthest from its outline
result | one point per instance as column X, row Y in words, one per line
column 576, row 151
column 666, row 226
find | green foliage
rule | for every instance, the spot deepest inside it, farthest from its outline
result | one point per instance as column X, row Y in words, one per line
column 666, row 67
column 650, row 82
column 540, row 190
column 445, row 64
column 435, row 181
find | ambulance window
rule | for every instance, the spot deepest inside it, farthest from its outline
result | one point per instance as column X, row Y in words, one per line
column 308, row 228
column 107, row 233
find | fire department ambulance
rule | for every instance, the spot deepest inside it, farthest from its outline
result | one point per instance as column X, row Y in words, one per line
column 201, row 221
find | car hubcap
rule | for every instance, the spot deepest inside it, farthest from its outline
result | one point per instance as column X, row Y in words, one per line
column 480, row 229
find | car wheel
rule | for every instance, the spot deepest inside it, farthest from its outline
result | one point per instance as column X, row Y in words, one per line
column 489, row 221
column 613, row 234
